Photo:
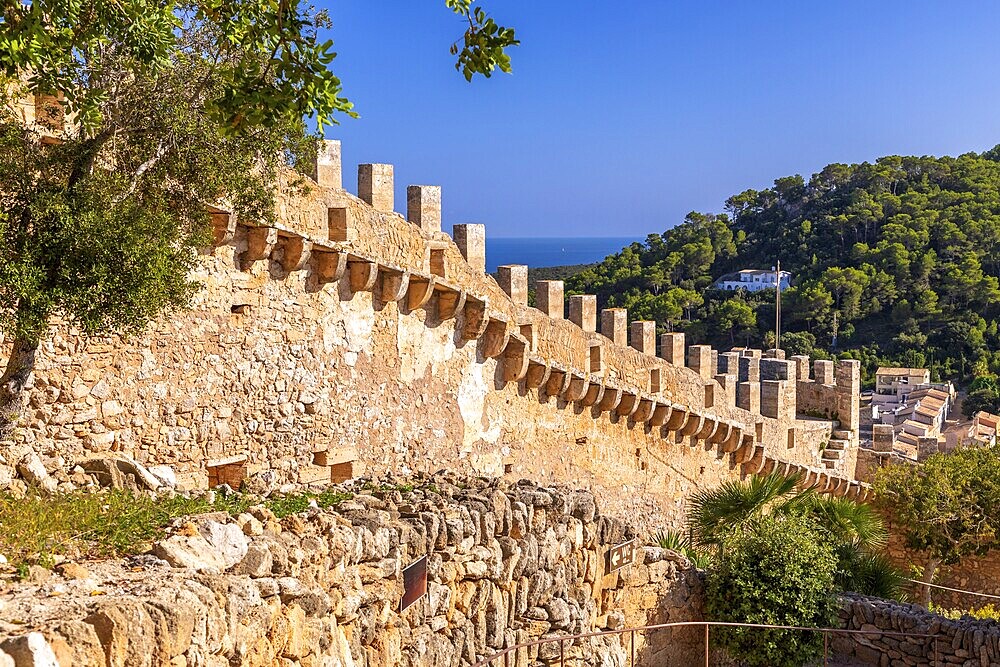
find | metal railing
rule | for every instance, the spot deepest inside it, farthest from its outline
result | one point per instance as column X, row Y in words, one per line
column 506, row 653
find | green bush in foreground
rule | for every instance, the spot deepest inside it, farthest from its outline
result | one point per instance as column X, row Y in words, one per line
column 776, row 570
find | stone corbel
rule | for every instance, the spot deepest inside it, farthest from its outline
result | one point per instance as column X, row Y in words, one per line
column 475, row 319
column 733, row 439
column 610, row 400
column 594, row 395
column 538, row 374
column 494, row 339
column 721, row 434
column 578, row 387
column 419, row 291
column 708, row 429
column 558, row 382
column 295, row 253
column 644, row 412
column 678, row 417
column 260, row 244
column 661, row 414
column 756, row 462
column 362, row 274
column 745, row 451
column 450, row 302
column 330, row 266
column 628, row 404
column 515, row 358
column 693, row 424
column 223, row 227
column 395, row 285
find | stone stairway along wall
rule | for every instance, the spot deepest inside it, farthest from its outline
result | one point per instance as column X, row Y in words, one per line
column 346, row 337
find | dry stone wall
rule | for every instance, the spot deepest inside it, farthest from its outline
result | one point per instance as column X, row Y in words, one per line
column 347, row 338
column 966, row 642
column 507, row 563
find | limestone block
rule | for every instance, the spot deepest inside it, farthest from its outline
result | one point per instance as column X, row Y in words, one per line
column 189, row 551
column 777, row 399
column 727, row 383
column 643, row 336
column 471, row 241
column 748, row 396
column 749, row 369
column 883, row 437
column 777, row 369
column 513, row 279
column 342, row 472
column 423, row 207
column 700, row 361
column 801, row 366
column 327, row 170
column 227, row 539
column 823, row 371
column 583, row 311
column 672, row 348
column 614, row 322
column 375, row 186
column 30, row 650
column 729, row 363
column 549, row 298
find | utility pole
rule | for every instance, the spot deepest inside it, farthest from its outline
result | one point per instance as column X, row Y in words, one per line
column 777, row 307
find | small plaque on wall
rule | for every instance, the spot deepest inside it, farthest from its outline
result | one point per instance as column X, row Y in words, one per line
column 414, row 582
column 621, row 555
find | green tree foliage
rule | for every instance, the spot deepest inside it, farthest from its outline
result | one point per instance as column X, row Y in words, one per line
column 780, row 572
column 946, row 506
column 170, row 107
column 899, row 258
column 853, row 531
column 984, row 394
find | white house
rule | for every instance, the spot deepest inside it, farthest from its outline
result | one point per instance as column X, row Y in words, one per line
column 752, row 280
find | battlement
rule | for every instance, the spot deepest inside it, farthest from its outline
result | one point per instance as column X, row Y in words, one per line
column 733, row 400
column 345, row 337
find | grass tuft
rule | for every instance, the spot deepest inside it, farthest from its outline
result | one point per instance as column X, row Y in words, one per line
column 82, row 525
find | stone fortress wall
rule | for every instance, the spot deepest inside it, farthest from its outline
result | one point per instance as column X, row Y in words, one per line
column 347, row 338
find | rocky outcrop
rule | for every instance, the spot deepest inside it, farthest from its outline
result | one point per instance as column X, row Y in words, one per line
column 506, row 563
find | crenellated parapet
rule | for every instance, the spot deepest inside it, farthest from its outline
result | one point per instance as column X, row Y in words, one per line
column 741, row 403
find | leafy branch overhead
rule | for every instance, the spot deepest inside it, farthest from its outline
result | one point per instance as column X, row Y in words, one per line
column 485, row 43
column 122, row 121
column 266, row 55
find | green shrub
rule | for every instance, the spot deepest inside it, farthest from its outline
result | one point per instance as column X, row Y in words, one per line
column 679, row 542
column 987, row 612
column 776, row 570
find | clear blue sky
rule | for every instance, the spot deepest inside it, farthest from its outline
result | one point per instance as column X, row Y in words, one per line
column 621, row 117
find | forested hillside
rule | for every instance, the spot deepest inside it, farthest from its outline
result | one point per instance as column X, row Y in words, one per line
column 899, row 258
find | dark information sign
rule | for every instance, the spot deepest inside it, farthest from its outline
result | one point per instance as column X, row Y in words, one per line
column 414, row 582
column 621, row 555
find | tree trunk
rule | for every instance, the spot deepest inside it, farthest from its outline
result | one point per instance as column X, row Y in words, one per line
column 15, row 377
column 929, row 570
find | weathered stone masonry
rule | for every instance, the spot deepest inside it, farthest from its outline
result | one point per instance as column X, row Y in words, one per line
column 346, row 336
column 507, row 564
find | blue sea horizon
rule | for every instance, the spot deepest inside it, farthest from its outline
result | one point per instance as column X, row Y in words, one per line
column 539, row 252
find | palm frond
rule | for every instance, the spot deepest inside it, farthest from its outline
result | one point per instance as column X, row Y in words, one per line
column 716, row 513
column 849, row 521
column 871, row 574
